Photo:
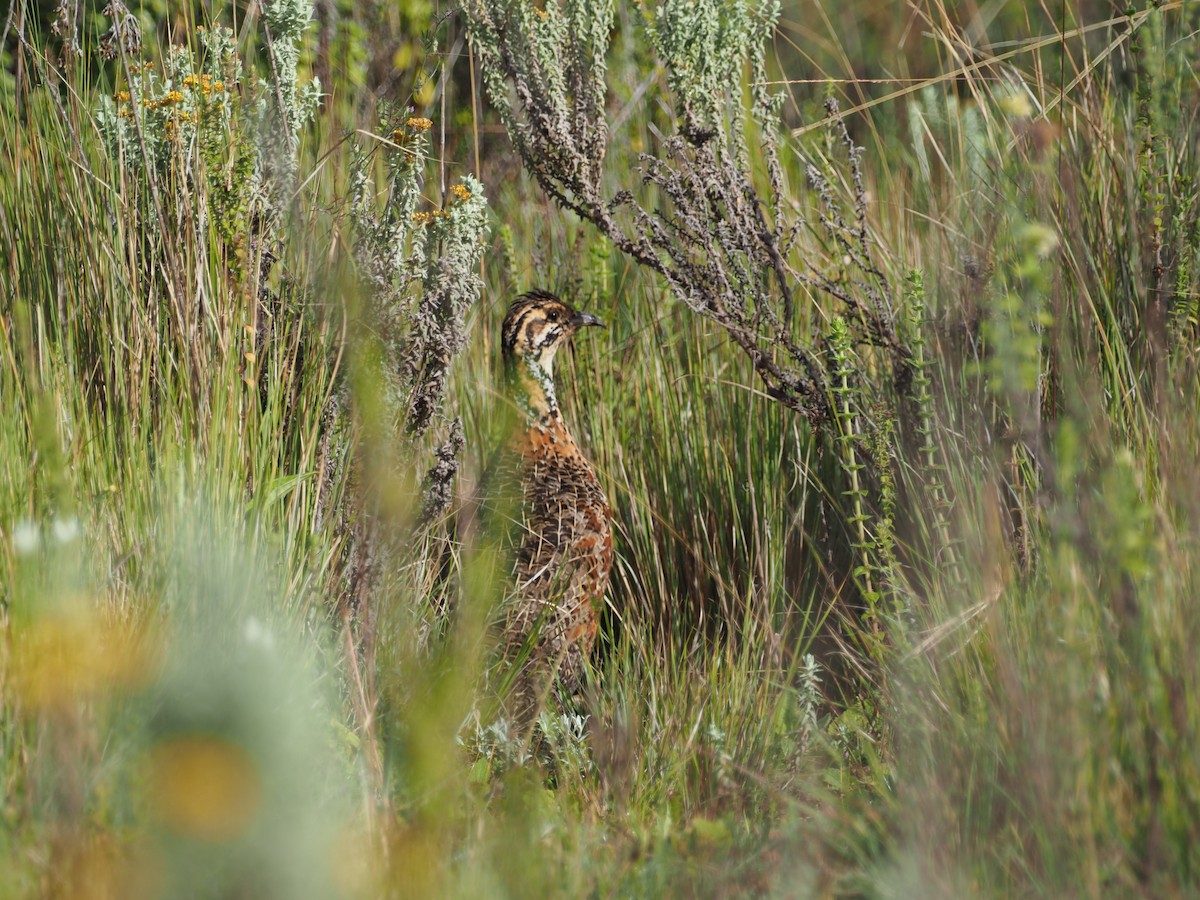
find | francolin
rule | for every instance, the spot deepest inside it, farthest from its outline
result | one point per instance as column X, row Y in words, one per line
column 564, row 550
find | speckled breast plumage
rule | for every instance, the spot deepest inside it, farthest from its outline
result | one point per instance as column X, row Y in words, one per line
column 564, row 552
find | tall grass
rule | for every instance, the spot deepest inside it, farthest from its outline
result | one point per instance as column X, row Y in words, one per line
column 234, row 664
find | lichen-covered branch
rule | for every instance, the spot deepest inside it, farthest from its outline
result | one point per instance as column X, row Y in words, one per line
column 697, row 218
column 420, row 270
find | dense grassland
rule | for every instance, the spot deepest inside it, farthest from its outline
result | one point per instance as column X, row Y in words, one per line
column 938, row 642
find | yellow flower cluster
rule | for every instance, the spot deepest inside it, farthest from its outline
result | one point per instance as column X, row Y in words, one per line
column 460, row 192
column 424, row 218
column 419, row 123
column 170, row 98
column 121, row 96
column 204, row 83
column 541, row 14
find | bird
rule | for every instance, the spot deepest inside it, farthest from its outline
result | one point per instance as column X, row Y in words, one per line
column 564, row 546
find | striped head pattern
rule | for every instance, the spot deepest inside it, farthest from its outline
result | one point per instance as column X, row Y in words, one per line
column 537, row 324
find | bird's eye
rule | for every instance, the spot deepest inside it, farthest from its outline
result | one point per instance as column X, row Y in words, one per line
column 552, row 316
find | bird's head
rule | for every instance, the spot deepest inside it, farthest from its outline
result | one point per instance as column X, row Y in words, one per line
column 536, row 326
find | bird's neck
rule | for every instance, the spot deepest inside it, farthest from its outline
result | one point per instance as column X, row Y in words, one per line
column 532, row 387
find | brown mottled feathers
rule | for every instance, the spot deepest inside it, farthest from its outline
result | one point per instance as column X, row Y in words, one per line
column 564, row 551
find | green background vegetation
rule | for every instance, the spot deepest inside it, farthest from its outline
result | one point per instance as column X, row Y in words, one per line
column 234, row 665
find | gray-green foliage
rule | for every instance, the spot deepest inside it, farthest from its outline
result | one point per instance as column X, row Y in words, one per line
column 420, row 271
column 699, row 220
column 934, row 117
column 284, row 106
column 166, row 118
column 562, row 51
column 705, row 47
column 161, row 117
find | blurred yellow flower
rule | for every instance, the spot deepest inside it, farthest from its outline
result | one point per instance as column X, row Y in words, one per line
column 204, row 787
column 419, row 123
column 1017, row 105
column 413, row 859
column 173, row 97
column 59, row 660
column 121, row 96
column 355, row 868
column 460, row 192
column 107, row 864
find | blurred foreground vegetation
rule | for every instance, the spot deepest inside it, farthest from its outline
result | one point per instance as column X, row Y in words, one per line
column 248, row 399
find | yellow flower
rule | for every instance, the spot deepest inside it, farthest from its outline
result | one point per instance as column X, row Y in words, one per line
column 204, row 787
column 421, row 218
column 191, row 81
column 121, row 96
column 460, row 191
column 63, row 659
column 125, row 112
column 398, row 135
column 419, row 123
column 541, row 14
column 173, row 97
column 219, row 86
column 1017, row 105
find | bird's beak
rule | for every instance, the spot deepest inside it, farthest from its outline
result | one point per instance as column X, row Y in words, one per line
column 582, row 318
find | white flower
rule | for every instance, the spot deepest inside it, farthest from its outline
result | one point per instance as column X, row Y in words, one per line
column 65, row 530
column 26, row 538
column 256, row 633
